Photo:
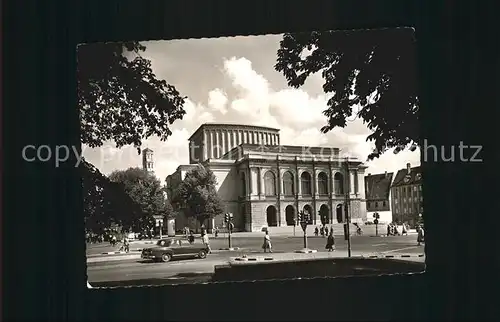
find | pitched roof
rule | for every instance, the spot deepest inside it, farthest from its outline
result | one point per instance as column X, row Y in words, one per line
column 377, row 186
column 414, row 177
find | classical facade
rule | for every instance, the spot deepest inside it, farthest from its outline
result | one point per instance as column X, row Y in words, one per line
column 265, row 184
column 378, row 196
column 407, row 200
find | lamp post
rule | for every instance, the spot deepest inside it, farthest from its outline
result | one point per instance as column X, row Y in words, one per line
column 347, row 206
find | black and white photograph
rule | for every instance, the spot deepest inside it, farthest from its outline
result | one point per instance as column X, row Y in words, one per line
column 248, row 158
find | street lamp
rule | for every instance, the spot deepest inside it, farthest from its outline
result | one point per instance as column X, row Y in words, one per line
column 347, row 206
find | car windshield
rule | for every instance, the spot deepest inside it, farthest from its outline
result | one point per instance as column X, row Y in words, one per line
column 164, row 243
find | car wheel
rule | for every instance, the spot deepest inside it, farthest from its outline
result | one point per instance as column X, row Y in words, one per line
column 166, row 258
column 202, row 254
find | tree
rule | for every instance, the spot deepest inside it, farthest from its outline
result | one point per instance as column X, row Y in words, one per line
column 105, row 203
column 372, row 69
column 197, row 195
column 146, row 191
column 121, row 99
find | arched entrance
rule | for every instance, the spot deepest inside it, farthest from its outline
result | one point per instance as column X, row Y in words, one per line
column 308, row 209
column 340, row 213
column 272, row 218
column 324, row 214
column 290, row 215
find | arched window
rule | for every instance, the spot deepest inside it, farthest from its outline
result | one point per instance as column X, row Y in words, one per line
column 243, row 184
column 288, row 184
column 322, row 183
column 270, row 183
column 305, row 184
column 338, row 183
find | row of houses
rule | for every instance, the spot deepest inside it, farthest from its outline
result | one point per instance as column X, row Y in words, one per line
column 395, row 198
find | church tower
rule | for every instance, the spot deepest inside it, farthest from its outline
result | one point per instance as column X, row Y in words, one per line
column 147, row 160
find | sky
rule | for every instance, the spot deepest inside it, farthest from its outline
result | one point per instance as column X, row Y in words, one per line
column 232, row 80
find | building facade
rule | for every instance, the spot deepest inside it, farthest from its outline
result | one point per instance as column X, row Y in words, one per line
column 264, row 184
column 407, row 198
column 147, row 160
column 378, row 196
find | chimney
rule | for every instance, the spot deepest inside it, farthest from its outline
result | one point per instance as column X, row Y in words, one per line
column 369, row 174
column 386, row 174
column 408, row 168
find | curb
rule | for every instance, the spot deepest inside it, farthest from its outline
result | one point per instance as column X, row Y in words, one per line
column 253, row 259
column 394, row 256
column 306, row 251
column 232, row 248
column 122, row 252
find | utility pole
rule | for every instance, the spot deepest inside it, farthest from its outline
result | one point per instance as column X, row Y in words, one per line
column 347, row 207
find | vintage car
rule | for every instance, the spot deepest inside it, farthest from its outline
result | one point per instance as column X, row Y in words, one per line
column 169, row 248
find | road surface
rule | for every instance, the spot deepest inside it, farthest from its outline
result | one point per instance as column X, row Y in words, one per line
column 137, row 272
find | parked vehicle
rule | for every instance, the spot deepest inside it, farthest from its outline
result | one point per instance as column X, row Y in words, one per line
column 169, row 248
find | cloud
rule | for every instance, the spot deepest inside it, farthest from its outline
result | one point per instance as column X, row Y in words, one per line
column 233, row 91
column 217, row 100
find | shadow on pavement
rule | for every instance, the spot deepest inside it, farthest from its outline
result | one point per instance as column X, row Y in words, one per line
column 181, row 278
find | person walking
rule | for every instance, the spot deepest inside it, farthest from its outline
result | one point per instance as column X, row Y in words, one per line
column 206, row 242
column 316, row 231
column 267, row 243
column 191, row 237
column 126, row 245
column 330, row 242
column 326, row 230
column 420, row 236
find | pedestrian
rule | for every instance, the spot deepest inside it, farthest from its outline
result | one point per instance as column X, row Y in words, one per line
column 330, row 242
column 420, row 236
column 113, row 240
column 191, row 237
column 404, row 230
column 322, row 231
column 267, row 243
column 316, row 231
column 326, row 230
column 126, row 245
column 206, row 242
column 216, row 232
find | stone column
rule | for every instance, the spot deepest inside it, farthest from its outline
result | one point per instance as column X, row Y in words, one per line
column 235, row 139
column 217, row 144
column 316, row 183
column 280, row 183
column 261, row 138
column 277, row 139
column 211, row 146
column 299, row 186
column 351, row 182
column 262, row 188
column 240, row 137
column 205, row 142
column 223, row 143
column 255, row 181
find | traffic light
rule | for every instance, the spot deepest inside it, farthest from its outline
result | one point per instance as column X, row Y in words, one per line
column 375, row 221
column 299, row 216
column 226, row 217
column 307, row 217
column 230, row 217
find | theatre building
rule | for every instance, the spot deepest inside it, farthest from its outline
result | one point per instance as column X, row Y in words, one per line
column 264, row 184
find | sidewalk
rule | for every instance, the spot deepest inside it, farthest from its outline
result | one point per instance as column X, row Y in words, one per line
column 285, row 257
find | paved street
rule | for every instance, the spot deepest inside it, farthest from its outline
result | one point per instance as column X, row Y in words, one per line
column 198, row 270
